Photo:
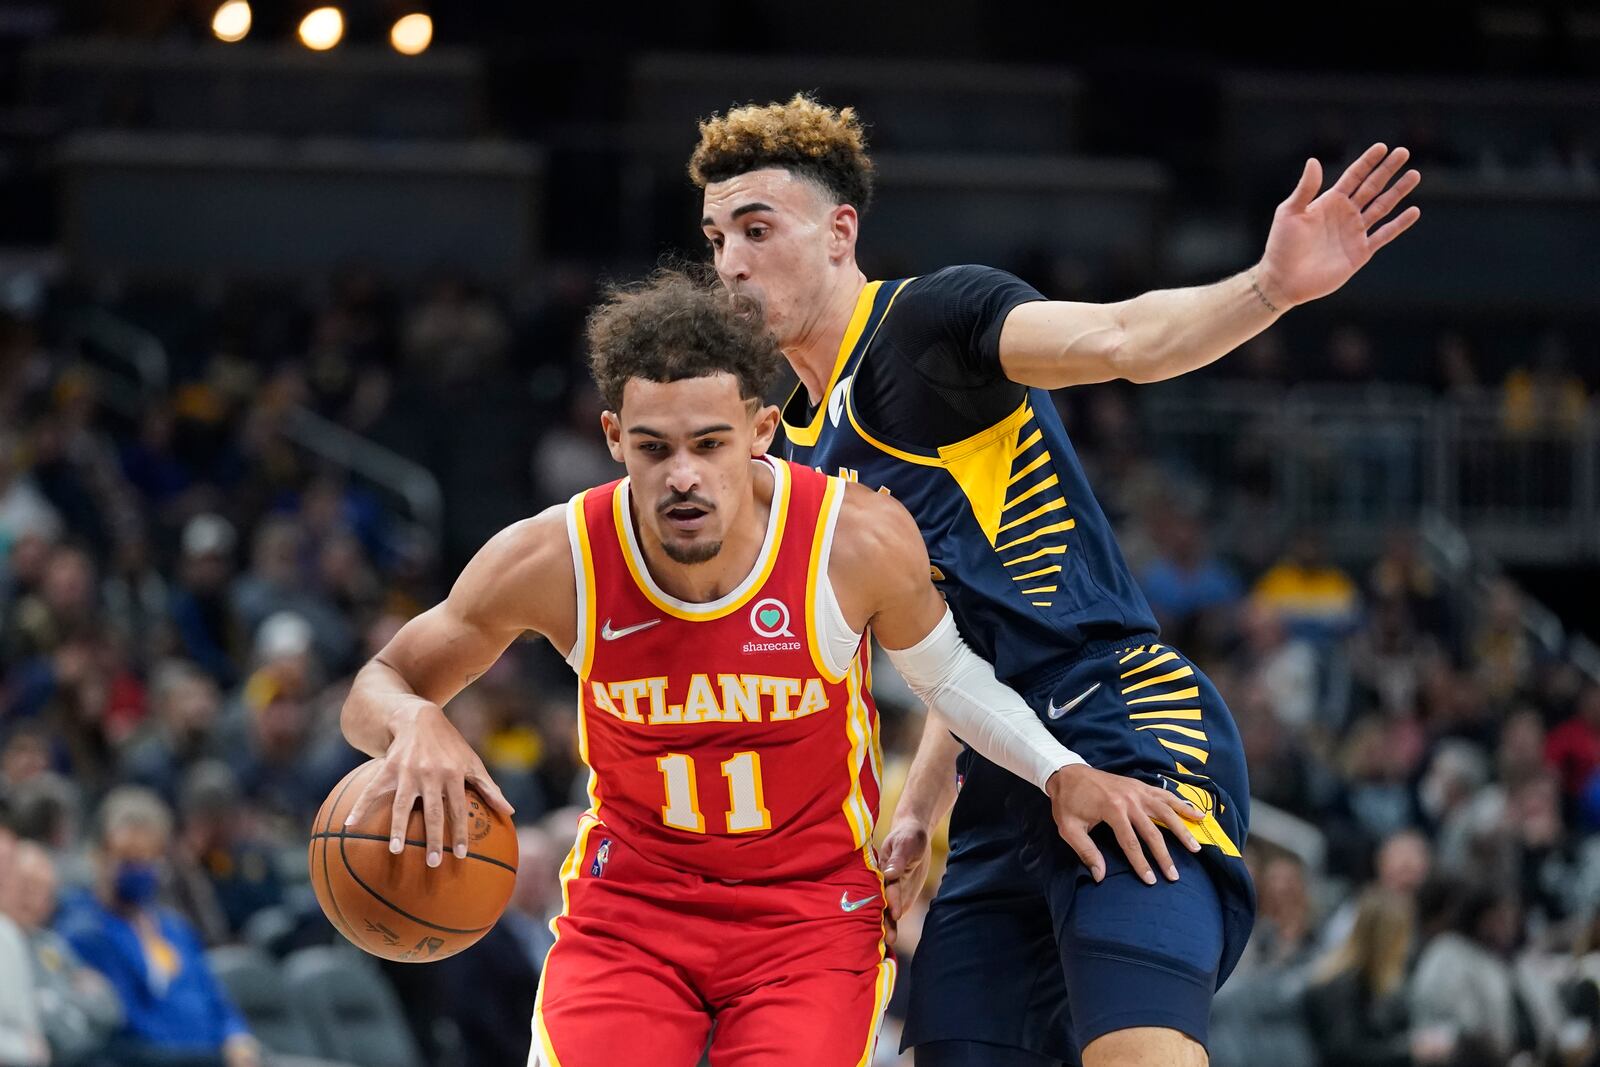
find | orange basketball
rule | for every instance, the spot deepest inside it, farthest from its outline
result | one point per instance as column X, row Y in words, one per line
column 396, row 906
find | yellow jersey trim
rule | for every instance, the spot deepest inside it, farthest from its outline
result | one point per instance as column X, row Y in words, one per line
column 816, row 571
column 807, row 435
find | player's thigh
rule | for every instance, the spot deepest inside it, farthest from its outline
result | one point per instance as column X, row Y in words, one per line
column 820, row 1018
column 1145, row 1047
column 602, row 1002
column 977, row 1054
column 987, row 969
column 1140, row 957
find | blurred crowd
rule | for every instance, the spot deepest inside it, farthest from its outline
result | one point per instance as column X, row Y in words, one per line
column 186, row 591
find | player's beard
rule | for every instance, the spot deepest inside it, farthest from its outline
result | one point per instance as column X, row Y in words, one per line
column 698, row 552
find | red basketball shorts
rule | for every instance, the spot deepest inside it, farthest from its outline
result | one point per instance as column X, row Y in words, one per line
column 647, row 958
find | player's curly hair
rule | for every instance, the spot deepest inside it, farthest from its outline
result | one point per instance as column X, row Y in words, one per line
column 676, row 325
column 824, row 144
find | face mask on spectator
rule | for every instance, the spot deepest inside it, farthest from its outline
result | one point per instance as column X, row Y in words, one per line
column 136, row 883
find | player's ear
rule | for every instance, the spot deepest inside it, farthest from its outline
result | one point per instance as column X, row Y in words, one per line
column 612, row 425
column 766, row 428
column 843, row 225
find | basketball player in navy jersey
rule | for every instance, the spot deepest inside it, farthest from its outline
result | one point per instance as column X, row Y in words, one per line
column 1037, row 950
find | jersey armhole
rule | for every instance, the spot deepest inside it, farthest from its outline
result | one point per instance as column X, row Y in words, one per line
column 583, row 578
column 835, row 643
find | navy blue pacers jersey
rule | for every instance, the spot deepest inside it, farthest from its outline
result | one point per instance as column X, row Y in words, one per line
column 918, row 405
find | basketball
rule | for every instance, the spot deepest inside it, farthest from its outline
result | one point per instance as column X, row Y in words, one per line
column 396, row 906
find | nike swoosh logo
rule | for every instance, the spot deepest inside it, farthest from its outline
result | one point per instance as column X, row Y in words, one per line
column 1056, row 713
column 846, row 904
column 611, row 635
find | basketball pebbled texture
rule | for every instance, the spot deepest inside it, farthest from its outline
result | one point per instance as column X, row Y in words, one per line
column 395, row 906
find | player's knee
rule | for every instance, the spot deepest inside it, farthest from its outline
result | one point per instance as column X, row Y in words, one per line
column 1145, row 1046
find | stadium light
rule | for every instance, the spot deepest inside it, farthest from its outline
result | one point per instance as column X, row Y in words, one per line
column 412, row 34
column 231, row 22
column 322, row 28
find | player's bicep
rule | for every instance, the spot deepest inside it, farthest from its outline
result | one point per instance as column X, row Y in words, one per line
column 521, row 580
column 442, row 651
column 1056, row 343
column 884, row 570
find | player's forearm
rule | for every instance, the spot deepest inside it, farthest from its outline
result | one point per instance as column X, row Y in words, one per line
column 1155, row 336
column 380, row 701
column 961, row 688
column 1169, row 332
column 930, row 787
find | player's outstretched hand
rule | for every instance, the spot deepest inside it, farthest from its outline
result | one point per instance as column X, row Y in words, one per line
column 1082, row 798
column 430, row 760
column 1317, row 243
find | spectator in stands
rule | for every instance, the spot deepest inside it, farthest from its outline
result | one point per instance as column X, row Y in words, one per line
column 1258, row 1016
column 24, row 510
column 1573, row 747
column 63, row 608
column 180, row 728
column 1546, row 397
column 1316, row 599
column 22, row 1040
column 1464, row 982
column 1356, row 1003
column 175, row 1011
column 1192, row 591
column 279, row 581
column 1502, row 652
column 78, row 1008
column 509, row 959
column 1282, row 667
column 1401, row 865
column 200, row 605
column 224, row 873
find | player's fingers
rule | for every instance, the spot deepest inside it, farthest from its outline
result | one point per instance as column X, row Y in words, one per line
column 1128, row 838
column 455, row 795
column 484, row 784
column 1156, row 842
column 367, row 800
column 405, row 798
column 1177, row 813
column 1357, row 172
column 1076, row 835
column 1381, row 175
column 1305, row 190
column 1397, row 192
column 433, row 821
column 1390, row 230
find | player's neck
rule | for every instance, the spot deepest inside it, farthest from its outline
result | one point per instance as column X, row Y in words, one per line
column 701, row 583
column 815, row 351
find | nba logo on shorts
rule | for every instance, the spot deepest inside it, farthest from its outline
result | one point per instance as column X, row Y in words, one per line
column 602, row 855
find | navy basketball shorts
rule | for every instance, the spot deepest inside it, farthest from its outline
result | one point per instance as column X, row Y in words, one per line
column 1022, row 948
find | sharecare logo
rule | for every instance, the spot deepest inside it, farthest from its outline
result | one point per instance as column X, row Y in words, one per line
column 770, row 618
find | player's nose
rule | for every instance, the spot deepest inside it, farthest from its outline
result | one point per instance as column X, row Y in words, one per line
column 734, row 266
column 683, row 476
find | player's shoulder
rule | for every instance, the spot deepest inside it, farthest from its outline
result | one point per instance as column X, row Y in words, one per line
column 966, row 279
column 875, row 539
column 518, row 565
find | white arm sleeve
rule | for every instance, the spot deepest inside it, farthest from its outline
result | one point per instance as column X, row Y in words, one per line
column 961, row 689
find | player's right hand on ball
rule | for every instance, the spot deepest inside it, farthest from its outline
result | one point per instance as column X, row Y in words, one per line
column 428, row 760
column 1082, row 798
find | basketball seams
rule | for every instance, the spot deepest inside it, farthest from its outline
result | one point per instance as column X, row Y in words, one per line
column 353, row 835
column 395, row 908
column 333, row 897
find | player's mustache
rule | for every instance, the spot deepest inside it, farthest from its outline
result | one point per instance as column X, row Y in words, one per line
column 678, row 500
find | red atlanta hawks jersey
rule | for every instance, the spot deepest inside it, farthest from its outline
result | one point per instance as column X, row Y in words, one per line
column 719, row 740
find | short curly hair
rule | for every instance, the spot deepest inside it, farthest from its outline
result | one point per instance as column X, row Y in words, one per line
column 676, row 325
column 826, row 145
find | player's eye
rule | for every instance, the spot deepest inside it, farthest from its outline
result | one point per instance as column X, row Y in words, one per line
column 716, row 242
column 654, row 448
column 710, row 442
column 756, row 233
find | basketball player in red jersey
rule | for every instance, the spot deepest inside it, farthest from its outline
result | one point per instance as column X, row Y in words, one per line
column 713, row 605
